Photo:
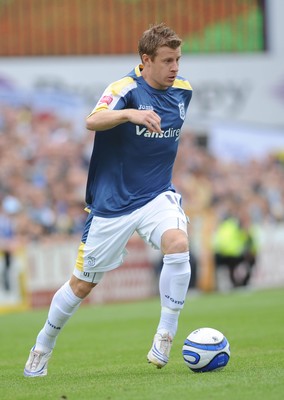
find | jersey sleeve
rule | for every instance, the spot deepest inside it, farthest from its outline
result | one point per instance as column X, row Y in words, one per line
column 115, row 96
column 181, row 83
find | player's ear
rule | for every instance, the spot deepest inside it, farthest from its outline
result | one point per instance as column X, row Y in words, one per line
column 145, row 59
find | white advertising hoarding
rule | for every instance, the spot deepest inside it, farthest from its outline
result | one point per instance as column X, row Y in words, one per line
column 234, row 88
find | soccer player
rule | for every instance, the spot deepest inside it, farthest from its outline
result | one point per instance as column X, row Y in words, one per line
column 138, row 122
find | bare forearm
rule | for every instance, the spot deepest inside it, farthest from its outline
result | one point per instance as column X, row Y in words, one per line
column 106, row 119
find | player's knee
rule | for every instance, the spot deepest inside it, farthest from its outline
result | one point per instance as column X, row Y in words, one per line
column 81, row 288
column 175, row 242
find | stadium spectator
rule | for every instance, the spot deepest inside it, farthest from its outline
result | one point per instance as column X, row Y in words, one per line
column 9, row 208
column 235, row 246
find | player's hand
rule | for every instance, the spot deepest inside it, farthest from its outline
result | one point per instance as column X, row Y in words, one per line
column 148, row 118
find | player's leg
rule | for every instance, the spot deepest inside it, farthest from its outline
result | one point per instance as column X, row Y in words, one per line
column 101, row 249
column 173, row 286
column 174, row 278
column 169, row 234
column 64, row 304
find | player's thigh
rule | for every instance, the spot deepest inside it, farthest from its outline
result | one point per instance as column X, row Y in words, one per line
column 163, row 214
column 103, row 244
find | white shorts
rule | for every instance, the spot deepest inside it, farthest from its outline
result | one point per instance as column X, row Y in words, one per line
column 104, row 239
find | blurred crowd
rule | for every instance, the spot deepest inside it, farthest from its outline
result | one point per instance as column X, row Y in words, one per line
column 43, row 166
column 251, row 191
column 43, row 170
column 236, row 198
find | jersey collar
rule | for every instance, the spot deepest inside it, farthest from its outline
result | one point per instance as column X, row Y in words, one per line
column 138, row 69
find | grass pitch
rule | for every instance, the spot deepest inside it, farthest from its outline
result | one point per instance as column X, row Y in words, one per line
column 101, row 353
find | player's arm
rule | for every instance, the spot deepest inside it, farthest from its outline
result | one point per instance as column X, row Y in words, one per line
column 106, row 119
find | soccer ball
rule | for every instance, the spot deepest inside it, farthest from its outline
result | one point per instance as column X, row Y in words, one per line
column 206, row 349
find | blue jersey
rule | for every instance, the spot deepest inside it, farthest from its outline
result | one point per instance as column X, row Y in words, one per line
column 130, row 166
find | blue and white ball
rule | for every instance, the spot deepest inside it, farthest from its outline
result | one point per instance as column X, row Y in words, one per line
column 206, row 349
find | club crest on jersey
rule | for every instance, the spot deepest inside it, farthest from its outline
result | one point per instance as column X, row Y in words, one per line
column 106, row 100
column 181, row 111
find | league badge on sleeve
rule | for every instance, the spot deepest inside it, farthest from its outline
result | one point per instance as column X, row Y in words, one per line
column 106, row 99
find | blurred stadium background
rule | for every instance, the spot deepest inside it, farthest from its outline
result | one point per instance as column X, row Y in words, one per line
column 57, row 56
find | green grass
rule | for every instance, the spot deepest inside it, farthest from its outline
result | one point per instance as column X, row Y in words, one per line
column 101, row 354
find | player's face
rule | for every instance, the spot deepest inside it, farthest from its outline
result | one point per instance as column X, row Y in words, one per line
column 161, row 72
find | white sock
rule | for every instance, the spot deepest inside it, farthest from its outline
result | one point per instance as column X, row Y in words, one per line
column 168, row 321
column 63, row 306
column 174, row 281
